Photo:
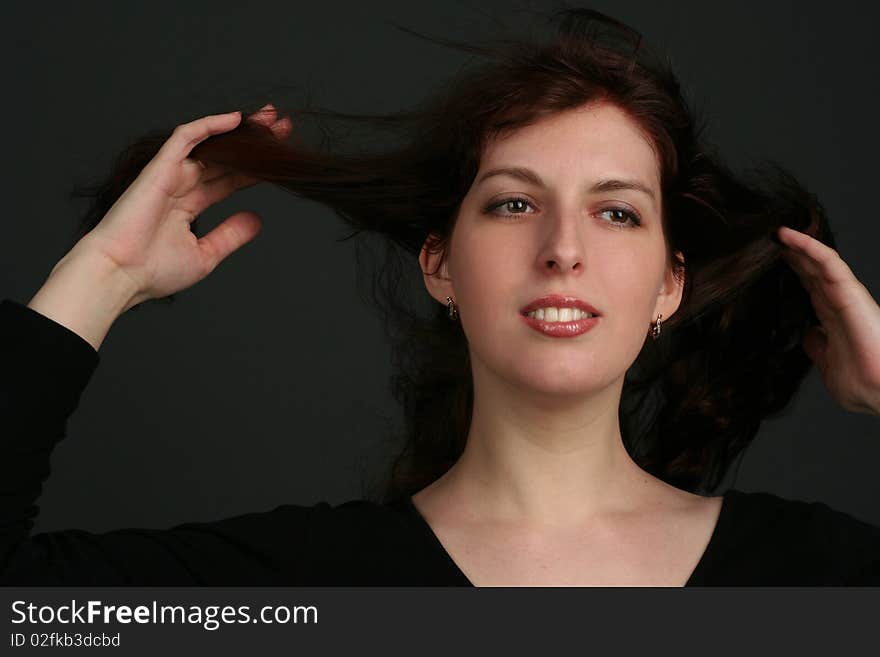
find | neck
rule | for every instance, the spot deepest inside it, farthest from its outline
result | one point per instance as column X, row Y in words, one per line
column 541, row 459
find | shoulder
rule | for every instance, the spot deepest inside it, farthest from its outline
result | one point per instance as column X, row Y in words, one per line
column 762, row 508
column 359, row 516
column 319, row 528
column 365, row 542
column 355, row 542
column 806, row 541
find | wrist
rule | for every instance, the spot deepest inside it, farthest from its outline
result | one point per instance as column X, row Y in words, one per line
column 85, row 292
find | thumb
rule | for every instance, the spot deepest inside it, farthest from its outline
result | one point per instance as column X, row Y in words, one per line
column 815, row 344
column 236, row 231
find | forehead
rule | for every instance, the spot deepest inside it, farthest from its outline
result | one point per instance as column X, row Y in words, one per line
column 592, row 141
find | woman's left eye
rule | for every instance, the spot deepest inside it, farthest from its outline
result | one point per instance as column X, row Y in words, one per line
column 632, row 217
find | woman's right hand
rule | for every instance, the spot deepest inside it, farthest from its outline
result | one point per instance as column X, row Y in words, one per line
column 146, row 233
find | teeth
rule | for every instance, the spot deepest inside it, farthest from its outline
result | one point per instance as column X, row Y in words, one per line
column 559, row 314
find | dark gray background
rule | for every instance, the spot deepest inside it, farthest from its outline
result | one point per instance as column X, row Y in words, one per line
column 236, row 398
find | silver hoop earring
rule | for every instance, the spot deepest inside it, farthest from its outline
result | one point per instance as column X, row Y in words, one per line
column 655, row 332
column 451, row 310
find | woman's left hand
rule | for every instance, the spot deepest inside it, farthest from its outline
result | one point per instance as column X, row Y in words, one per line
column 846, row 347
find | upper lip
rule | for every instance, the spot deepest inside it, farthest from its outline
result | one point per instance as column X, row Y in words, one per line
column 558, row 301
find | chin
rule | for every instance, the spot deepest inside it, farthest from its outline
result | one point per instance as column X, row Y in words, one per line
column 563, row 390
column 559, row 372
column 564, row 379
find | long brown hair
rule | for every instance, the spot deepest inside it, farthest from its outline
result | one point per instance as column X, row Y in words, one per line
column 729, row 357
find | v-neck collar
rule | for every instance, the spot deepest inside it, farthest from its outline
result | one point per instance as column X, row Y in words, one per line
column 697, row 577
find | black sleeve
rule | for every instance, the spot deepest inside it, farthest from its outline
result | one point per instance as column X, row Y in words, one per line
column 851, row 547
column 45, row 367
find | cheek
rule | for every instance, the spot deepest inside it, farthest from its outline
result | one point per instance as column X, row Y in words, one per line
column 629, row 289
column 485, row 274
column 623, row 281
column 628, row 285
column 489, row 286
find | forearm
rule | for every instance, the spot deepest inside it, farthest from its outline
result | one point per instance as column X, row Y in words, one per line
column 85, row 293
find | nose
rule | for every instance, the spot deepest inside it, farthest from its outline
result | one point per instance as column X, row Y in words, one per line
column 563, row 248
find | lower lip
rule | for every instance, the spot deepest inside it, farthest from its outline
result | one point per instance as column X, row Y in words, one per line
column 561, row 329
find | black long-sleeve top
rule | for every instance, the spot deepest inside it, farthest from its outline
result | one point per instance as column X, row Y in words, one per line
column 760, row 538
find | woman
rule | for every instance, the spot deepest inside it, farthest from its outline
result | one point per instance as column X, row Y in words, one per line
column 616, row 313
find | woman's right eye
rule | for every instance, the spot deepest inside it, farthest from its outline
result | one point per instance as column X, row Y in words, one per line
column 514, row 203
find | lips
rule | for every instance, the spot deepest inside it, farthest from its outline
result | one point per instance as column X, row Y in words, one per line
column 558, row 301
column 561, row 329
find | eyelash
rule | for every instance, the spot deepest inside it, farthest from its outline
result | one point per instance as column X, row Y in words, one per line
column 632, row 216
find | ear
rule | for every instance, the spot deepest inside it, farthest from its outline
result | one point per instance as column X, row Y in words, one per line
column 669, row 297
column 435, row 271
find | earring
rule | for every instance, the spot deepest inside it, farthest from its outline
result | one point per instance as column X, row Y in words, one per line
column 655, row 332
column 451, row 309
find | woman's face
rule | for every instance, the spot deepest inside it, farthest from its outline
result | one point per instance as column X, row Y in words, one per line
column 554, row 232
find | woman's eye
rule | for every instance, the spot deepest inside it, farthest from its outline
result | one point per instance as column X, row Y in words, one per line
column 513, row 205
column 619, row 213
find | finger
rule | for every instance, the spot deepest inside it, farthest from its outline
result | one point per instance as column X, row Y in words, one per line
column 833, row 287
column 802, row 265
column 186, row 136
column 807, row 271
column 229, row 236
column 825, row 261
column 282, row 127
column 266, row 115
column 824, row 306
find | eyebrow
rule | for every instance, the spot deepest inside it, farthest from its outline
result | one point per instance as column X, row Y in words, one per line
column 608, row 185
